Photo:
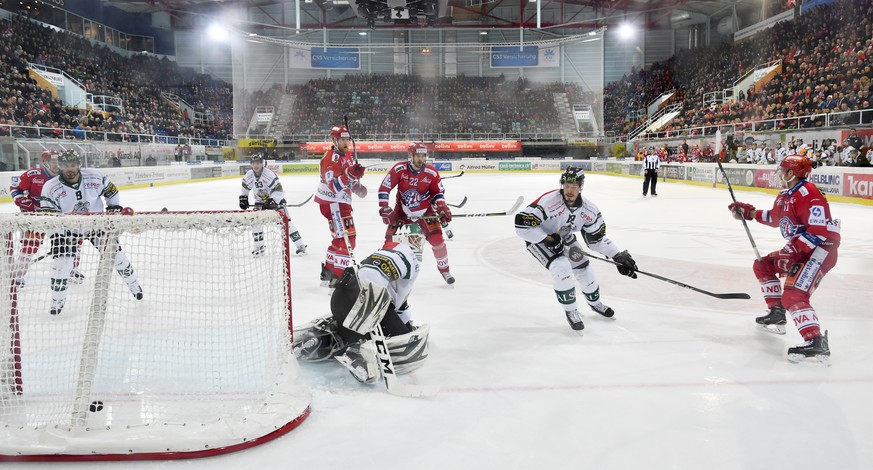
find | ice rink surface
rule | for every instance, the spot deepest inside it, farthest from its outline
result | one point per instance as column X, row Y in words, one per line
column 677, row 380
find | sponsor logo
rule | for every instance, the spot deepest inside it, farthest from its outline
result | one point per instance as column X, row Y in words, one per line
column 443, row 166
column 859, row 185
column 305, row 168
column 514, row 166
column 528, row 220
column 817, row 216
column 384, row 264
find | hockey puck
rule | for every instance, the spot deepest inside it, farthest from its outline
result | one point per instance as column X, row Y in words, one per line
column 96, row 406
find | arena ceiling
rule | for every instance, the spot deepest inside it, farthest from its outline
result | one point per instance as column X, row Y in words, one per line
column 346, row 14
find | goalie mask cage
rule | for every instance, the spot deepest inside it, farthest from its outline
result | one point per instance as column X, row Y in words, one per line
column 201, row 365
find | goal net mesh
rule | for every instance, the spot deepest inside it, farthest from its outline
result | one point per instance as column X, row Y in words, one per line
column 203, row 361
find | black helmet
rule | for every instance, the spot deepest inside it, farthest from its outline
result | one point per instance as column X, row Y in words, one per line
column 573, row 175
column 69, row 156
column 258, row 157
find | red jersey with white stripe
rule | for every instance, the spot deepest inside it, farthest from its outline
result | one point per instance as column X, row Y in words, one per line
column 803, row 216
column 335, row 184
column 30, row 185
column 416, row 190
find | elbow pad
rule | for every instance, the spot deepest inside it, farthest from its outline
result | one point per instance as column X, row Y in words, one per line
column 594, row 238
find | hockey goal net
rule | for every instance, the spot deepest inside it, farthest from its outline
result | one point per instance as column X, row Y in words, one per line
column 200, row 365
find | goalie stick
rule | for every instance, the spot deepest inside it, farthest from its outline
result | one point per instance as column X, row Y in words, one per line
column 743, row 219
column 386, row 364
column 453, row 176
column 731, row 295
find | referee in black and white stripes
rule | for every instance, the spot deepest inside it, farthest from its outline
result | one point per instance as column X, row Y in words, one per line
column 651, row 164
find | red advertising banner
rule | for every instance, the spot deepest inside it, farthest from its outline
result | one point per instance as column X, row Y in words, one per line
column 440, row 146
column 858, row 185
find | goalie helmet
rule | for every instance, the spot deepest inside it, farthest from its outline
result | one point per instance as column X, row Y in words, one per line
column 337, row 132
column 69, row 156
column 573, row 175
column 799, row 165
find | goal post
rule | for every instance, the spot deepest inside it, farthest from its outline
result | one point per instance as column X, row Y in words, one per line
column 200, row 365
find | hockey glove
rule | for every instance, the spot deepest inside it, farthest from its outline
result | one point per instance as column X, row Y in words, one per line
column 626, row 264
column 742, row 210
column 26, row 204
column 243, row 202
column 389, row 217
column 270, row 205
column 786, row 257
column 554, row 243
column 443, row 211
column 114, row 208
column 360, row 190
column 282, row 204
column 356, row 171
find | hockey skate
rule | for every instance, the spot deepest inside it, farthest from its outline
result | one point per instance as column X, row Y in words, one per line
column 328, row 278
column 449, row 234
column 135, row 290
column 607, row 312
column 773, row 321
column 574, row 318
column 301, row 250
column 57, row 306
column 816, row 349
column 361, row 361
column 448, row 277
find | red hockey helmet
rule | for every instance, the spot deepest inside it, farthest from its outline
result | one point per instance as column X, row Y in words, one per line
column 799, row 165
column 417, row 147
column 337, row 132
column 49, row 155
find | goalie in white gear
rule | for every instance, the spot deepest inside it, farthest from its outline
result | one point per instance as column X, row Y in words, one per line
column 377, row 294
column 269, row 195
column 547, row 226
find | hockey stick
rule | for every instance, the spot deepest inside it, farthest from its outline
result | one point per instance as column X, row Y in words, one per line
column 354, row 148
column 732, row 295
column 300, row 204
column 453, row 176
column 743, row 219
column 386, row 364
column 491, row 214
column 459, row 205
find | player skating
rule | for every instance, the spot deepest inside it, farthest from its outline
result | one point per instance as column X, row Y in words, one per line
column 79, row 190
column 340, row 177
column 420, row 200
column 548, row 227
column 389, row 275
column 269, row 195
column 803, row 216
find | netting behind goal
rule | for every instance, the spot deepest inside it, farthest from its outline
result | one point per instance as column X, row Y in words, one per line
column 202, row 364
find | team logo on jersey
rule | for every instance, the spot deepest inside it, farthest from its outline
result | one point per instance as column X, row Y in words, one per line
column 528, row 220
column 787, row 228
column 411, row 198
column 385, row 264
column 82, row 206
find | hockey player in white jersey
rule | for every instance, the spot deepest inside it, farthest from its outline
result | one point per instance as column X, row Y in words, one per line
column 269, row 195
column 376, row 294
column 79, row 190
column 548, row 227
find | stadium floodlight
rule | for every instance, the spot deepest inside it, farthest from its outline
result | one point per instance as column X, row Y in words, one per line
column 217, row 32
column 363, row 33
column 626, row 31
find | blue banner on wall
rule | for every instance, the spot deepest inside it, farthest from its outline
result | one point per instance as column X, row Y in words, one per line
column 335, row 58
column 513, row 56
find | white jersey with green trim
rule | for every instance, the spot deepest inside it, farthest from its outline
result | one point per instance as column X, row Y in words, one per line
column 550, row 214
column 393, row 267
column 84, row 196
column 265, row 186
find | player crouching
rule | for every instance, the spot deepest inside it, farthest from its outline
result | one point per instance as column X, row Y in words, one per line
column 377, row 293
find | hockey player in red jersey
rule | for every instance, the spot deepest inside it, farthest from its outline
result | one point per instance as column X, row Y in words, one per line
column 804, row 217
column 26, row 193
column 340, row 177
column 420, row 200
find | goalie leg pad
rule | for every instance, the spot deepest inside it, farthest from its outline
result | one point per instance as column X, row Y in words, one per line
column 408, row 351
column 360, row 359
column 369, row 308
column 317, row 340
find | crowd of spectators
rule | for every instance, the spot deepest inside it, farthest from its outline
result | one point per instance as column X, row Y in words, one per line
column 137, row 80
column 402, row 104
column 826, row 68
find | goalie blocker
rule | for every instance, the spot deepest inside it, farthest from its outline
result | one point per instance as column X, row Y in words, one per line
column 357, row 306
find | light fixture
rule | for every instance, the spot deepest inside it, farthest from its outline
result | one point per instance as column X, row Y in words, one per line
column 483, row 32
column 216, row 32
column 592, row 33
column 625, row 31
column 425, row 50
column 363, row 33
column 252, row 34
